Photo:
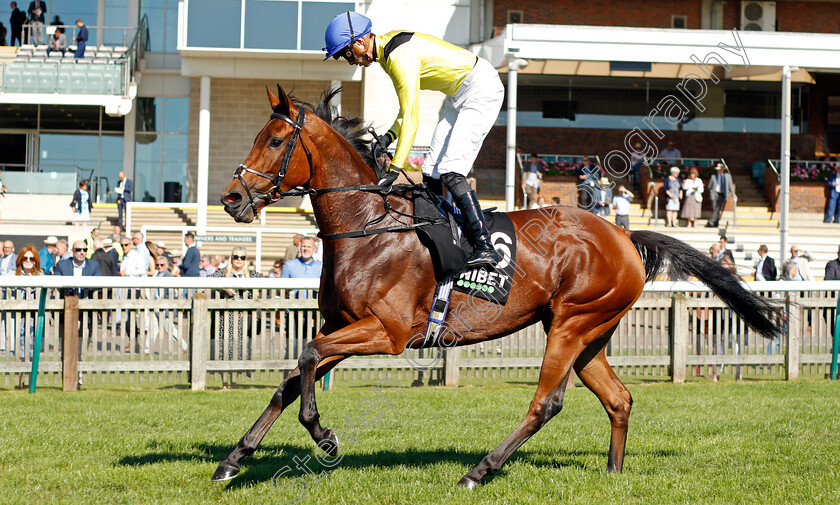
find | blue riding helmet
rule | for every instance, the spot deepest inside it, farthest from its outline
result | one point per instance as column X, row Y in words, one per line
column 343, row 30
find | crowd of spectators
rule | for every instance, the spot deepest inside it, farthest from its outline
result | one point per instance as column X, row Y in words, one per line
column 29, row 27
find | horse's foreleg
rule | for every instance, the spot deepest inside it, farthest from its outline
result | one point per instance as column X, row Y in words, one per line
column 547, row 402
column 599, row 377
column 285, row 395
column 364, row 337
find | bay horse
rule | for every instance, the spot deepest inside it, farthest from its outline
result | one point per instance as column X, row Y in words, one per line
column 579, row 275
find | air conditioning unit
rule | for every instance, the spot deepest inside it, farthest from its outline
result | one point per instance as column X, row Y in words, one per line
column 758, row 16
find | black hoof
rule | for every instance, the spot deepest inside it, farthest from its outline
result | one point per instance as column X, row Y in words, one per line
column 330, row 444
column 225, row 472
column 467, row 483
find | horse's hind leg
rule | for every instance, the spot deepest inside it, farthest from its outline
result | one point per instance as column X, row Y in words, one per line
column 286, row 393
column 599, row 377
column 548, row 401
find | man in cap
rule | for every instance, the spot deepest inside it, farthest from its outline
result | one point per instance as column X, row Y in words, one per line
column 474, row 95
column 603, row 198
column 47, row 254
column 721, row 188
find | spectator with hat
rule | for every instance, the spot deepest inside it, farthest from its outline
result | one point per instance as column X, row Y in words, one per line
column 673, row 191
column 47, row 254
column 603, row 198
column 107, row 265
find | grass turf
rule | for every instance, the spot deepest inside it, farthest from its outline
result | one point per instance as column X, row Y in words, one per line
column 767, row 442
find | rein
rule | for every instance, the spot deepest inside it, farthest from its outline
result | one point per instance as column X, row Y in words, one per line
column 274, row 194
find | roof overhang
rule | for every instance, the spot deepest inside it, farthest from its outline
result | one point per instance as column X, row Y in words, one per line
column 264, row 64
column 672, row 53
column 114, row 105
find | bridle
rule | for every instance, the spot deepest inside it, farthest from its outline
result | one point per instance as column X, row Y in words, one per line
column 274, row 194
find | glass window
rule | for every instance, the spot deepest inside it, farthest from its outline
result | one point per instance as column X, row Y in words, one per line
column 215, row 23
column 110, row 164
column 147, row 184
column 314, row 20
column 116, row 18
column 176, row 114
column 174, row 167
column 71, row 10
column 69, row 117
column 271, row 24
column 171, row 43
column 71, row 150
column 18, row 116
column 155, row 12
column 148, row 117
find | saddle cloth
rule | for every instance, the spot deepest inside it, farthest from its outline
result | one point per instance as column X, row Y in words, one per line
column 450, row 251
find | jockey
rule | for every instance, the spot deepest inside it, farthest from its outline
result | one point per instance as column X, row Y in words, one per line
column 416, row 61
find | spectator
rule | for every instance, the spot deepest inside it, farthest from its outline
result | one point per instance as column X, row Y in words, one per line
column 81, row 39
column 714, row 251
column 803, row 272
column 160, row 249
column 116, row 241
column 150, row 246
column 277, row 269
column 133, row 264
column 765, row 269
column 7, row 261
column 827, row 158
column 832, row 268
column 555, row 200
column 621, row 204
column 720, row 188
column 587, row 175
column 239, row 319
column 46, row 254
column 58, row 42
column 673, row 193
column 124, row 191
column 205, row 267
column 637, row 159
column 3, row 32
column 189, row 265
column 723, row 251
column 62, row 251
column 531, row 178
column 670, row 153
column 108, row 247
column 319, row 250
column 540, row 203
column 16, row 21
column 790, row 272
column 27, row 263
column 37, row 12
column 219, row 262
column 89, row 241
column 78, row 266
column 101, row 256
column 161, row 318
column 293, row 250
column 81, row 203
column 145, row 253
column 834, row 197
column 304, row 267
column 693, row 190
column 603, row 198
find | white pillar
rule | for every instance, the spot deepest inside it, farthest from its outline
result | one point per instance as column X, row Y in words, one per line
column 129, row 144
column 510, row 163
column 100, row 22
column 203, row 153
column 785, row 173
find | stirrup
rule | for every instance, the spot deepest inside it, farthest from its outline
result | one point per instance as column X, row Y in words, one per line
column 483, row 258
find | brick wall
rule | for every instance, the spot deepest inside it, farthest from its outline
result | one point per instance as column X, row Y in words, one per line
column 739, row 149
column 804, row 196
column 816, row 16
column 238, row 111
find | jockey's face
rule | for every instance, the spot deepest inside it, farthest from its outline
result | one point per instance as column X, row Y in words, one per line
column 360, row 52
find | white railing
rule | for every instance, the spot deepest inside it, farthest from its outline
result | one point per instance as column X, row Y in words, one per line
column 184, row 330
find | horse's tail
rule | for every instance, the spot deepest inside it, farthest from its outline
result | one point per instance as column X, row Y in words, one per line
column 684, row 260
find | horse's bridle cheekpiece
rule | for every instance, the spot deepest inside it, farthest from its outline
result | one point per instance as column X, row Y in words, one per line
column 274, row 194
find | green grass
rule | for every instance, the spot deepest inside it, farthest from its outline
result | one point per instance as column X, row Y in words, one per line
column 728, row 443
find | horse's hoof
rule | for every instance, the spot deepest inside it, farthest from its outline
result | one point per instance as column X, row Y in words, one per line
column 467, row 483
column 330, row 444
column 225, row 472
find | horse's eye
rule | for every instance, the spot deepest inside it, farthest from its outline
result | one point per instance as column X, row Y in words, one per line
column 276, row 142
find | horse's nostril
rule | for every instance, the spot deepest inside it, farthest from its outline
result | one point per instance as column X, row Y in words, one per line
column 232, row 197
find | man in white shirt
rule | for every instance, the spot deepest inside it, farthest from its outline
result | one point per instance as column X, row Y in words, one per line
column 670, row 153
column 132, row 264
column 803, row 273
column 7, row 262
column 621, row 204
column 140, row 246
column 765, row 270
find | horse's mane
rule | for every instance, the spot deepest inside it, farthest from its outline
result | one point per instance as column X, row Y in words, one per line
column 354, row 130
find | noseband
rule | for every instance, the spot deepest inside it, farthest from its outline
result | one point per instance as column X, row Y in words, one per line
column 274, row 194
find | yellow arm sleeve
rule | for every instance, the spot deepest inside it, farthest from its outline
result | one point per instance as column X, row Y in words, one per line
column 406, row 79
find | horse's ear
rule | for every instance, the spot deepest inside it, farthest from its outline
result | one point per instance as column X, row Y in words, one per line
column 280, row 103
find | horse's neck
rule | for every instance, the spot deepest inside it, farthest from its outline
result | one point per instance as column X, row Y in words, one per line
column 343, row 211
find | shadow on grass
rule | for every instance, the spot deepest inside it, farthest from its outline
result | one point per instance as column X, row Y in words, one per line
column 268, row 460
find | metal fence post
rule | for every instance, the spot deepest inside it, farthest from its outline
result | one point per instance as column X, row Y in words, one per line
column 679, row 337
column 70, row 350
column 792, row 350
column 198, row 340
column 655, row 210
column 451, row 366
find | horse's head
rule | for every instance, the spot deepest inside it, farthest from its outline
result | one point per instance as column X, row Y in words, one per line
column 276, row 163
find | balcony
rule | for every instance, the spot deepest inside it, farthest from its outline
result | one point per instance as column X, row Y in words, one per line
column 104, row 77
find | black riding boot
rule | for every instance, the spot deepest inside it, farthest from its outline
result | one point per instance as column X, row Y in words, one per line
column 435, row 185
column 483, row 252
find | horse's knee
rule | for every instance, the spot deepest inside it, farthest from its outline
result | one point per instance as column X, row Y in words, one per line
column 619, row 407
column 308, row 358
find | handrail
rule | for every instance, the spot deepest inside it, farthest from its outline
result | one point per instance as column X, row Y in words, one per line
column 773, row 167
column 49, row 29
